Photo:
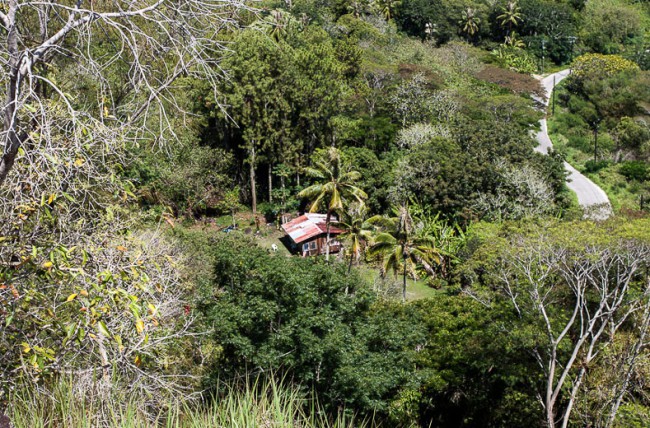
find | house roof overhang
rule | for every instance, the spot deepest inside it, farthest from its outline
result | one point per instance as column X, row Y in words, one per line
column 309, row 226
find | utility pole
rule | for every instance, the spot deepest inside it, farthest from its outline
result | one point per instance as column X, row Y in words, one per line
column 572, row 41
column 553, row 95
column 595, row 124
column 543, row 50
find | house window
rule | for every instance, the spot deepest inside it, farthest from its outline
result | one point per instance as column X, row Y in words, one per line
column 305, row 247
column 312, row 245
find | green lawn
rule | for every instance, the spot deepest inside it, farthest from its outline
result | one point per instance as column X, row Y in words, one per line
column 392, row 287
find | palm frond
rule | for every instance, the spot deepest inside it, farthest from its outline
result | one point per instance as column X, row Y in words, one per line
column 314, row 172
column 336, row 203
column 381, row 222
column 350, row 176
column 311, row 192
column 316, row 204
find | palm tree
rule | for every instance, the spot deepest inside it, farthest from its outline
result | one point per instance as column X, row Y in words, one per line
column 334, row 189
column 510, row 16
column 387, row 7
column 358, row 7
column 356, row 233
column 470, row 22
column 449, row 238
column 514, row 41
column 275, row 24
column 401, row 248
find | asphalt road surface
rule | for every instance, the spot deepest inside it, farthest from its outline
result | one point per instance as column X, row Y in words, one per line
column 591, row 198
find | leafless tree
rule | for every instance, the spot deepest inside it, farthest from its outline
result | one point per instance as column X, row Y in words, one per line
column 522, row 192
column 376, row 82
column 128, row 52
column 580, row 297
column 410, row 100
column 421, row 133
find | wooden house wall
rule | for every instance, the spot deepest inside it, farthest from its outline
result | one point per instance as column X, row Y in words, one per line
column 320, row 246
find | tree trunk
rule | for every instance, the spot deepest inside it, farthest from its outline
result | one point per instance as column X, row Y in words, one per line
column 641, row 342
column 298, row 171
column 270, row 184
column 550, row 417
column 404, row 283
column 252, row 175
column 284, row 198
column 347, row 286
column 12, row 140
column 10, row 122
column 327, row 242
column 572, row 399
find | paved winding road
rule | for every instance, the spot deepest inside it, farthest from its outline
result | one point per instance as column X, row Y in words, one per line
column 591, row 198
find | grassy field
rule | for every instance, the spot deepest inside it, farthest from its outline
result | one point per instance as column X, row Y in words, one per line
column 392, row 286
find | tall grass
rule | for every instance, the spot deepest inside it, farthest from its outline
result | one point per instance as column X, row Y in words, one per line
column 259, row 402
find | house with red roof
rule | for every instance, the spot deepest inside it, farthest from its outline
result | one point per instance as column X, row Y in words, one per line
column 308, row 234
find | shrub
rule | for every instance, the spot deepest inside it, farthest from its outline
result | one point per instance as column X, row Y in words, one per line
column 516, row 82
column 589, row 69
column 635, row 170
column 595, row 166
column 591, row 66
column 516, row 59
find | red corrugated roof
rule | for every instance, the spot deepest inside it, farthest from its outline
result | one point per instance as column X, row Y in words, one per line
column 309, row 226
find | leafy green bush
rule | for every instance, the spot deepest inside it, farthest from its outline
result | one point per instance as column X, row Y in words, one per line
column 191, row 180
column 632, row 415
column 516, row 59
column 635, row 170
column 401, row 363
column 593, row 66
column 595, row 166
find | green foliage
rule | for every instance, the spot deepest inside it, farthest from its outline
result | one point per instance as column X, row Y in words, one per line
column 402, row 247
column 245, row 403
column 336, row 183
column 291, row 315
column 511, row 16
column 597, row 66
column 595, row 166
column 608, row 27
column 84, row 289
column 400, row 362
column 451, row 175
column 415, row 14
column 631, row 134
column 551, row 24
column 607, row 105
column 189, row 180
column 632, row 415
column 520, row 260
column 376, row 173
column 635, row 170
column 282, row 94
column 516, row 59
